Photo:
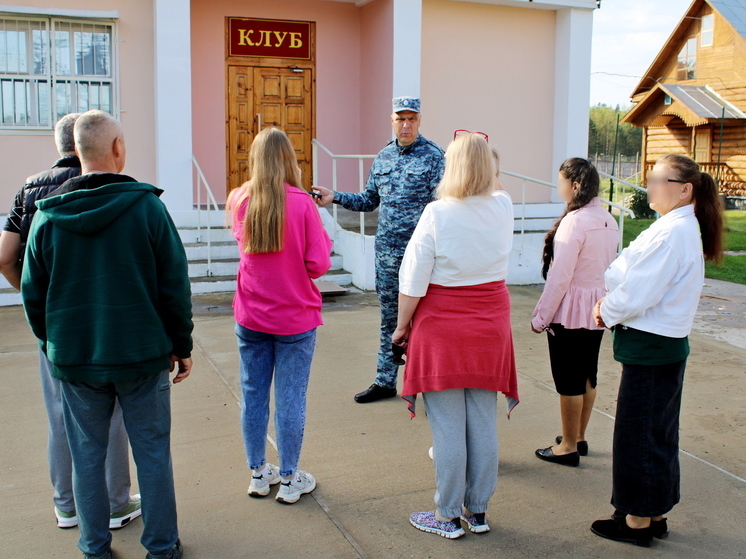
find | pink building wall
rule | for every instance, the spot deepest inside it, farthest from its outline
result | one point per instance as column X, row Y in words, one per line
column 489, row 68
column 339, row 102
column 28, row 153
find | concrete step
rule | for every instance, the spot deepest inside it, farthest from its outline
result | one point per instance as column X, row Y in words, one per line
column 330, row 284
column 213, row 284
column 340, row 277
column 534, row 224
column 218, row 234
column 218, row 267
column 223, row 250
column 9, row 297
column 336, row 262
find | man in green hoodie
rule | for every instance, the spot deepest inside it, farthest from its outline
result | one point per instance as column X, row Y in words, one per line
column 106, row 291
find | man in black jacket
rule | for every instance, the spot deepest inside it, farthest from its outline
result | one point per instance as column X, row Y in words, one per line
column 12, row 244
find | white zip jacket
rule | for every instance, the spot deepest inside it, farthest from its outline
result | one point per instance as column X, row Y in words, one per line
column 655, row 284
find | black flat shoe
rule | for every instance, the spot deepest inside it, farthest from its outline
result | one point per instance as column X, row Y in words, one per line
column 374, row 393
column 659, row 527
column 617, row 530
column 582, row 445
column 572, row 459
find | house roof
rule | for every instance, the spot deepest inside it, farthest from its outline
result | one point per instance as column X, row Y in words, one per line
column 694, row 104
column 734, row 11
column 703, row 101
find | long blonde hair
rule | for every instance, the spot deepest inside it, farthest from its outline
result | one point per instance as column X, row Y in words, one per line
column 470, row 168
column 272, row 163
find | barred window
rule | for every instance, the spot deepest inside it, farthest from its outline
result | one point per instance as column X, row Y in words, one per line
column 50, row 67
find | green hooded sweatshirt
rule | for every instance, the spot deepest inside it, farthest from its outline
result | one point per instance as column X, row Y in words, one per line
column 105, row 284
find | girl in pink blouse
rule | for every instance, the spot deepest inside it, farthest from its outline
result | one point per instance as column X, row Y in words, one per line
column 577, row 251
column 277, row 308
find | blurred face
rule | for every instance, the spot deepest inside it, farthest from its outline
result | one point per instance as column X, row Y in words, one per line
column 566, row 188
column 666, row 191
column 406, row 125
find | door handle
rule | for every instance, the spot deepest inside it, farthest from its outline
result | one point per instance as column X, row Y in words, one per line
column 259, row 122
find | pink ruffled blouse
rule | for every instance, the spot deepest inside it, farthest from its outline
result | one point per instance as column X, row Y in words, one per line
column 584, row 246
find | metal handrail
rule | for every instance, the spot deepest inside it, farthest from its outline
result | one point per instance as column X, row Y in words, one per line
column 522, row 178
column 525, row 179
column 202, row 181
column 361, row 178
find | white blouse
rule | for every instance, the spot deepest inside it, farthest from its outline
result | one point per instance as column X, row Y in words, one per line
column 459, row 242
column 655, row 284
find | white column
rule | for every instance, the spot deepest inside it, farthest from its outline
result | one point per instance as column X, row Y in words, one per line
column 407, row 47
column 173, row 106
column 572, row 83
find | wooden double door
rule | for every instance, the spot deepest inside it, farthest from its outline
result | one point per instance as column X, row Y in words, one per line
column 259, row 97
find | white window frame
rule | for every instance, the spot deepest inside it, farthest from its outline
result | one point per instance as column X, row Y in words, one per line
column 52, row 21
column 711, row 31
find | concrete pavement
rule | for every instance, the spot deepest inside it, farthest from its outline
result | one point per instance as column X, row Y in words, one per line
column 371, row 460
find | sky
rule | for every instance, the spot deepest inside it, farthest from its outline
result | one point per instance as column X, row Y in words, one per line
column 627, row 36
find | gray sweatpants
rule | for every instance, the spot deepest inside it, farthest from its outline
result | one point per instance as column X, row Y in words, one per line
column 58, row 450
column 465, row 446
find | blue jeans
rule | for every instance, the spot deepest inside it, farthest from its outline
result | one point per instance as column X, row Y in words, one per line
column 58, row 449
column 288, row 358
column 146, row 406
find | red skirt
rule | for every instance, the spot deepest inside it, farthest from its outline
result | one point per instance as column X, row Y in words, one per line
column 461, row 338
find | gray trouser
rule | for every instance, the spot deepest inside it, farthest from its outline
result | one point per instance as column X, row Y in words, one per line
column 58, row 450
column 464, row 426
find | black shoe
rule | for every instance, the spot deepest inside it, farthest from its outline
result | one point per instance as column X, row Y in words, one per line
column 572, row 459
column 659, row 527
column 582, row 445
column 374, row 393
column 617, row 530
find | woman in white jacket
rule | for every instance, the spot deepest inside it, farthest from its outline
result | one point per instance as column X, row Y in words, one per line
column 653, row 292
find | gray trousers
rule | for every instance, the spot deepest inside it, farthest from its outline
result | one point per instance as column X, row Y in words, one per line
column 465, row 447
column 58, row 449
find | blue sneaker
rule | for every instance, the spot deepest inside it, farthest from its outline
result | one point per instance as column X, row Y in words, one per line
column 427, row 522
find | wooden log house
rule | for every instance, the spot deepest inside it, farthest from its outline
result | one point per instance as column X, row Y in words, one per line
column 692, row 99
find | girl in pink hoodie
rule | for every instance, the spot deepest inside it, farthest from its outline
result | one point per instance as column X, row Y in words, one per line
column 277, row 308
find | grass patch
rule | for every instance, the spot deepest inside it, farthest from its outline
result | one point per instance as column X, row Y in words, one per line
column 735, row 227
column 733, row 267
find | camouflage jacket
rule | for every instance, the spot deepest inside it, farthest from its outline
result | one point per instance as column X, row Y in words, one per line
column 402, row 181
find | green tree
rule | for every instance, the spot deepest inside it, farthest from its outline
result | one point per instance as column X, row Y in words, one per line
column 602, row 129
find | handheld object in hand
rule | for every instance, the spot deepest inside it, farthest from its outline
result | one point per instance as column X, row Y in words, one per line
column 398, row 351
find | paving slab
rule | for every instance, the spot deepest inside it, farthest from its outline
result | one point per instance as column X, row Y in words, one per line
column 371, row 460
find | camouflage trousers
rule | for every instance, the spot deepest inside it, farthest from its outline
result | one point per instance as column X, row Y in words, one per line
column 388, row 261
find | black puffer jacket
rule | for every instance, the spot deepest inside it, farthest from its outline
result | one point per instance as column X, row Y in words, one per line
column 42, row 185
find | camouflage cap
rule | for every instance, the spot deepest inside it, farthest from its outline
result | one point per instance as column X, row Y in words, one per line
column 406, row 104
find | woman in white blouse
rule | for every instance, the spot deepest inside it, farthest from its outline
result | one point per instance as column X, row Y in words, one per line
column 653, row 292
column 454, row 319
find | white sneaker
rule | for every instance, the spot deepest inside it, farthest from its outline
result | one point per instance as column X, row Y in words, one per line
column 261, row 484
column 66, row 519
column 290, row 491
column 130, row 512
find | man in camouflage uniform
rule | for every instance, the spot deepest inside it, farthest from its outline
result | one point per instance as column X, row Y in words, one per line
column 402, row 180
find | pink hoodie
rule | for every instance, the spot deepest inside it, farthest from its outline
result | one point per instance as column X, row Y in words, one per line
column 275, row 292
